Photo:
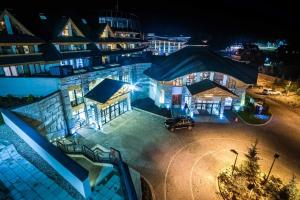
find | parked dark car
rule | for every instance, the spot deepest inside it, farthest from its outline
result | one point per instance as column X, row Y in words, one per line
column 179, row 123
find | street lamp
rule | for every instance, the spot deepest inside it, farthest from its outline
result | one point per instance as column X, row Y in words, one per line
column 236, row 153
column 276, row 156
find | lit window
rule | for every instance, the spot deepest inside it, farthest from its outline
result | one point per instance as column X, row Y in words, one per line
column 7, row 71
column 2, row 26
column 65, row 32
column 162, row 96
column 26, row 49
column 228, row 101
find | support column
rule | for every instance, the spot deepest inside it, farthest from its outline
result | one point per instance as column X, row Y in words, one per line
column 222, row 108
column 67, row 111
column 224, row 82
column 98, row 117
column 211, row 76
column 129, row 102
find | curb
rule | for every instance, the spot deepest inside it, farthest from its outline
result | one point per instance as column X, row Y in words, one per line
column 150, row 186
column 263, row 124
column 138, row 109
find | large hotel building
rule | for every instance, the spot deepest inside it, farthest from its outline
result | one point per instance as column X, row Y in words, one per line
column 87, row 71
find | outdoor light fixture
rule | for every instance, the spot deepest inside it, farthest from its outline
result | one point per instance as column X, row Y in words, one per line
column 192, row 114
column 236, row 153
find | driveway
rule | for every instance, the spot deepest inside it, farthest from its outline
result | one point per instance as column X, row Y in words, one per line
column 184, row 165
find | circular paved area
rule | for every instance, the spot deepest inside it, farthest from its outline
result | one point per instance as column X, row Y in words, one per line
column 184, row 165
column 192, row 170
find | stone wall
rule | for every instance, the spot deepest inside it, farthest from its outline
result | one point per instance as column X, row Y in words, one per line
column 136, row 75
column 46, row 115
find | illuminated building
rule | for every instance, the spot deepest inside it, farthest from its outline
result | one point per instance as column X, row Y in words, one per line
column 199, row 78
column 162, row 45
column 72, row 54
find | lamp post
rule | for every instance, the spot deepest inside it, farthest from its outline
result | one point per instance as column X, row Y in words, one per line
column 276, row 156
column 236, row 153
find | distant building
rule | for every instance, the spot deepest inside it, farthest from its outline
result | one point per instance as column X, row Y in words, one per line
column 162, row 45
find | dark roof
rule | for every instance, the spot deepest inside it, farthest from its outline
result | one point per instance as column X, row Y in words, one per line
column 20, row 39
column 206, row 85
column 193, row 59
column 104, row 90
column 50, row 53
column 70, row 39
column 77, row 54
column 19, row 59
column 119, row 39
column 49, row 28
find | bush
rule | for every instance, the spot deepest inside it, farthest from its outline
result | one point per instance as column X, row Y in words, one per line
column 30, row 99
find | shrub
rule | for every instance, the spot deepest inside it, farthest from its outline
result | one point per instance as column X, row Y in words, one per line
column 30, row 99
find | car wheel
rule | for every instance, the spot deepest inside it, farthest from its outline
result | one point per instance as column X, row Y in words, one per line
column 172, row 129
column 190, row 127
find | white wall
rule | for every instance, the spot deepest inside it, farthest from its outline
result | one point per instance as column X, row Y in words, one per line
column 44, row 149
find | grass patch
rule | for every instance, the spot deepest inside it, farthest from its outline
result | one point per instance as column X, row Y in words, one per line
column 12, row 101
column 252, row 118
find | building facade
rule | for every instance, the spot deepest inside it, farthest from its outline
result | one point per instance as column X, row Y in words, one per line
column 199, row 81
column 72, row 55
column 162, row 45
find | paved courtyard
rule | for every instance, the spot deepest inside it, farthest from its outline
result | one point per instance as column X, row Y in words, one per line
column 184, row 164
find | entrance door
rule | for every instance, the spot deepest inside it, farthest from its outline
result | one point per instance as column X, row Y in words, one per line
column 208, row 107
column 114, row 110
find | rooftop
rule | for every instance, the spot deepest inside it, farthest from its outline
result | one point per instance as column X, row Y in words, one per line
column 105, row 90
column 192, row 59
column 206, row 85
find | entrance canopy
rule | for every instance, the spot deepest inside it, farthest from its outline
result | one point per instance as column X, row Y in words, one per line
column 208, row 88
column 106, row 90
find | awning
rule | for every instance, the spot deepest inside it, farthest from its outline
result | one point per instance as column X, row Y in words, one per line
column 207, row 85
column 105, row 90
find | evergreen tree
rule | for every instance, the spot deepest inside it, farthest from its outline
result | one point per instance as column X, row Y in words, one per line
column 251, row 166
column 290, row 191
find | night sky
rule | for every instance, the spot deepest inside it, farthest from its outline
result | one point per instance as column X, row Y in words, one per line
column 213, row 20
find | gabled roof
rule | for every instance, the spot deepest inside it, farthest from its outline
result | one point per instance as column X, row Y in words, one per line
column 50, row 27
column 9, row 60
column 25, row 37
column 21, row 39
column 193, row 59
column 105, row 90
column 205, row 85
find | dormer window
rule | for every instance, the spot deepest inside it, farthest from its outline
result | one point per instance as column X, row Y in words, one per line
column 2, row 26
column 65, row 32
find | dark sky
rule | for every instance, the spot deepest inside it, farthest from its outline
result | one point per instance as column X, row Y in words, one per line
column 212, row 19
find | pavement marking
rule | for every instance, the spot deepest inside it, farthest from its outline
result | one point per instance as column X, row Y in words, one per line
column 191, row 173
column 151, row 187
column 196, row 141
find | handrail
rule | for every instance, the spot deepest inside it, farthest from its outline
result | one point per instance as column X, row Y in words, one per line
column 113, row 157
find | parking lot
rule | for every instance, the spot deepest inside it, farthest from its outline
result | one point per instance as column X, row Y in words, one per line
column 184, row 164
